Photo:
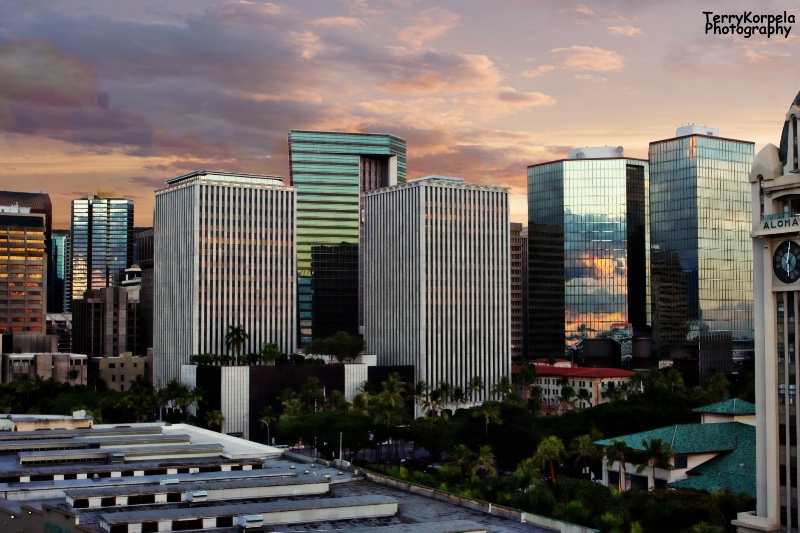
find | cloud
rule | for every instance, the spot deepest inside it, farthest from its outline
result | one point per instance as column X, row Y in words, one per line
column 590, row 58
column 414, row 71
column 627, row 31
column 428, row 25
column 351, row 23
column 511, row 95
column 538, row 71
column 585, row 10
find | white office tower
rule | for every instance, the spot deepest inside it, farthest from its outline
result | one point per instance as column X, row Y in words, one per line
column 437, row 281
column 224, row 256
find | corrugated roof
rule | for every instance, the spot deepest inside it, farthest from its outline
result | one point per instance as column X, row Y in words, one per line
column 691, row 438
column 733, row 406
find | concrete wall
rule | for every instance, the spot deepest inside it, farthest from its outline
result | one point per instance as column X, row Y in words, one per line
column 484, row 507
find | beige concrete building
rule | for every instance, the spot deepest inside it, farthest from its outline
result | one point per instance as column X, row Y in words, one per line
column 46, row 365
column 120, row 370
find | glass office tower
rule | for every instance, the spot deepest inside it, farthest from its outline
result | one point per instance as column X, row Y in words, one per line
column 102, row 246
column 702, row 284
column 587, row 245
column 330, row 171
column 58, row 285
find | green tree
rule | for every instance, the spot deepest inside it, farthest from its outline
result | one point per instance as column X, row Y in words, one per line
column 719, row 388
column 484, row 461
column 341, row 346
column 583, row 448
column 550, row 451
column 266, row 418
column 461, row 457
column 235, row 339
column 214, row 419
column 490, row 411
column 475, row 387
column 269, row 353
column 705, row 527
column 657, row 455
column 618, row 452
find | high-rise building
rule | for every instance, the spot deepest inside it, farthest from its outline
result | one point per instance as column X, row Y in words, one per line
column 525, row 279
column 37, row 203
column 516, row 290
column 699, row 234
column 331, row 170
column 105, row 323
column 102, row 246
column 225, row 256
column 588, row 248
column 775, row 184
column 59, row 293
column 437, row 280
column 23, row 271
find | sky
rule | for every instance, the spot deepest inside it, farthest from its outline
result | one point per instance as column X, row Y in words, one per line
column 115, row 96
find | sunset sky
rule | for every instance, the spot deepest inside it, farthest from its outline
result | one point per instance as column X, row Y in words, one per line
column 122, row 95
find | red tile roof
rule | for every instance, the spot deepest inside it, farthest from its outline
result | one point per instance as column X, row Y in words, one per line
column 579, row 372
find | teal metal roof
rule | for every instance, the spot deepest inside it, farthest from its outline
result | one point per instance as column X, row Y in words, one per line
column 735, row 466
column 690, row 438
column 735, row 470
column 734, row 406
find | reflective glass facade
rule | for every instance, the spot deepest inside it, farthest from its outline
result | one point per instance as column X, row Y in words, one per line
column 588, row 250
column 58, row 284
column 330, row 171
column 101, row 242
column 23, row 273
column 700, row 209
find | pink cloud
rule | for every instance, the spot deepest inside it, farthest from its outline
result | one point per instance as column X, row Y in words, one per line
column 428, row 25
column 590, row 58
column 627, row 31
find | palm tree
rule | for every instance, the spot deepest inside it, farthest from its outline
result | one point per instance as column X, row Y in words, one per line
column 475, row 387
column 458, row 395
column 235, row 338
column 618, row 451
column 311, row 391
column 550, row 450
column 526, row 377
column 490, row 411
column 584, row 448
column 658, row 454
column 485, row 460
column 420, row 392
column 267, row 418
column 526, row 473
column 584, row 396
column 503, row 389
column 461, row 457
column 214, row 419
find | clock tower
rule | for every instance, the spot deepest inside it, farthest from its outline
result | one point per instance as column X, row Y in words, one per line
column 775, row 182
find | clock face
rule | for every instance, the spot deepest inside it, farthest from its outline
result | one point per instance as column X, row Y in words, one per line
column 786, row 261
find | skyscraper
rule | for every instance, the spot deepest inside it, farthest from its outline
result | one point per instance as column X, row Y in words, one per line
column 101, row 242
column 59, row 292
column 23, row 271
column 224, row 249
column 37, row 203
column 775, row 185
column 587, row 245
column 330, row 171
column 517, row 270
column 437, row 280
column 700, row 227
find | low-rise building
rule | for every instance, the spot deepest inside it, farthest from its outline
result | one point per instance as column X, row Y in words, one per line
column 151, row 477
column 717, row 454
column 600, row 385
column 119, row 371
column 69, row 367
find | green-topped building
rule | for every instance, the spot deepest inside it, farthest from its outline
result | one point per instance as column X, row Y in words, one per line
column 331, row 170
